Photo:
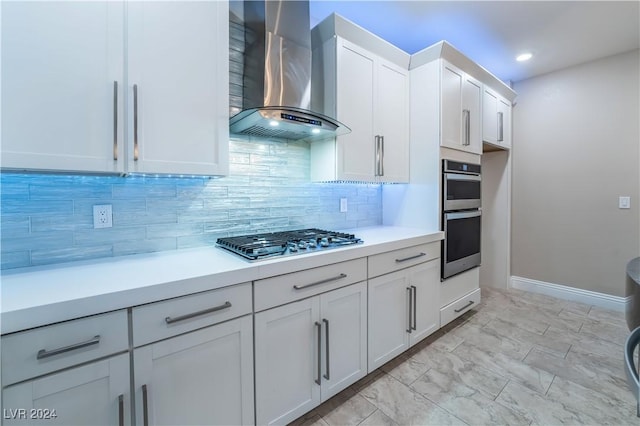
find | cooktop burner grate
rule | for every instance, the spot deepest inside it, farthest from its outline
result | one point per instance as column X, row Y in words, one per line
column 264, row 245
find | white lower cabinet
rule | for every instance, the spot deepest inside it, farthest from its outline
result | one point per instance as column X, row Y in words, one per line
column 403, row 310
column 73, row 373
column 193, row 359
column 92, row 394
column 309, row 350
column 202, row 377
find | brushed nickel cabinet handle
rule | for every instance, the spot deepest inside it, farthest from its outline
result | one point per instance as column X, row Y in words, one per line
column 410, row 308
column 121, row 410
column 319, row 330
column 500, row 127
column 115, row 121
column 404, row 259
column 135, row 123
column 464, row 307
column 43, row 353
column 145, row 406
column 381, row 156
column 466, row 114
column 170, row 320
column 326, row 323
column 415, row 297
column 377, row 156
column 328, row 280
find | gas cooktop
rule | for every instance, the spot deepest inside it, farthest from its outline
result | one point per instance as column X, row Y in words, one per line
column 261, row 246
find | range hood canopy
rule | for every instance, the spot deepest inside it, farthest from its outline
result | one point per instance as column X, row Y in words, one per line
column 277, row 75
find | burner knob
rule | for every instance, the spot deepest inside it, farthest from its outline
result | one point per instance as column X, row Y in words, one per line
column 312, row 244
column 293, row 248
column 324, row 242
column 302, row 245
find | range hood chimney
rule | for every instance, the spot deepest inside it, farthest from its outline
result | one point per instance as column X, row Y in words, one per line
column 277, row 75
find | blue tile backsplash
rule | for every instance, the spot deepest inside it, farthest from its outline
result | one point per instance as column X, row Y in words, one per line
column 48, row 219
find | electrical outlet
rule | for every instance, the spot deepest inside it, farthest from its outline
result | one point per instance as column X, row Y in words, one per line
column 343, row 205
column 102, row 216
column 624, row 203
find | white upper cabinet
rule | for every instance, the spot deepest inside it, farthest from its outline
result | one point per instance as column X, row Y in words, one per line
column 62, row 79
column 460, row 110
column 369, row 94
column 496, row 118
column 178, row 92
column 355, row 97
column 68, row 99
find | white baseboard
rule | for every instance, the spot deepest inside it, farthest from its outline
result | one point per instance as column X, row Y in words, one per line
column 606, row 301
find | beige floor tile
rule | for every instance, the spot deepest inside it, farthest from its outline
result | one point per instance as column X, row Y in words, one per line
column 531, row 376
column 540, row 409
column 378, row 418
column 581, row 370
column 598, row 405
column 459, row 372
column 404, row 406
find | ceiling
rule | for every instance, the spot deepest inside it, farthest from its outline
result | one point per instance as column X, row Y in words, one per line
column 560, row 34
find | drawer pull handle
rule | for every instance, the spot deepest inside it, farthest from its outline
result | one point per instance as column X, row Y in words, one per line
column 42, row 353
column 410, row 257
column 328, row 280
column 170, row 320
column 464, row 307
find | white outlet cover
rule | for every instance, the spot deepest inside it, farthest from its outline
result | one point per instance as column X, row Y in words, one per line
column 343, row 205
column 102, row 216
column 624, row 202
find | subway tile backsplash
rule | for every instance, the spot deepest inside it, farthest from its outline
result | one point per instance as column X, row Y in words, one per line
column 47, row 219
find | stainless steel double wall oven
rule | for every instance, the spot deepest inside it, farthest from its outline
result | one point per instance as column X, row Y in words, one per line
column 461, row 217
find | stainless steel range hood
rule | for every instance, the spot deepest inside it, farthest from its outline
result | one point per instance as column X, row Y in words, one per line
column 277, row 75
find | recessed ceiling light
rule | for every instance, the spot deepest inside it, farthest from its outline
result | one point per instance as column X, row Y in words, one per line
column 524, row 57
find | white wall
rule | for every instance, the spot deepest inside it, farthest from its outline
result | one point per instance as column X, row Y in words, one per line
column 576, row 150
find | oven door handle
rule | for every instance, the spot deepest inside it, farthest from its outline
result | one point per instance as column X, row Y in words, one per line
column 459, row 176
column 462, row 215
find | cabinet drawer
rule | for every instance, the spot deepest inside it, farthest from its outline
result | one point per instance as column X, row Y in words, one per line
column 459, row 307
column 459, row 285
column 384, row 263
column 160, row 320
column 287, row 288
column 42, row 350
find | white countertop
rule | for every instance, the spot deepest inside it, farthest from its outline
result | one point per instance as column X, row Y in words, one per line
column 31, row 297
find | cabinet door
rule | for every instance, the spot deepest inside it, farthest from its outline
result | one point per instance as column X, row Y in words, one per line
column 287, row 363
column 178, row 65
column 388, row 316
column 426, row 280
column 354, row 107
column 392, row 121
column 451, row 82
column 60, row 110
column 504, row 132
column 203, row 377
column 93, row 394
column 472, row 102
column 344, row 322
column 489, row 116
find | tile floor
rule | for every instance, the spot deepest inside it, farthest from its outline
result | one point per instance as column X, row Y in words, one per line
column 519, row 358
